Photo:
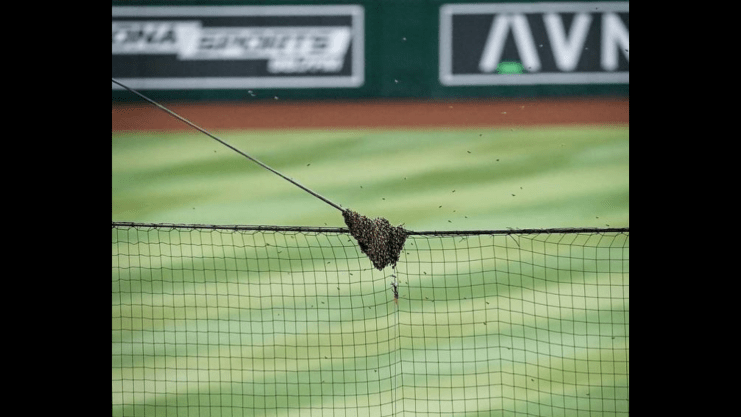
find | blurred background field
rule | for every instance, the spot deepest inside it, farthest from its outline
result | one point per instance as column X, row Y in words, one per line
column 233, row 323
column 427, row 179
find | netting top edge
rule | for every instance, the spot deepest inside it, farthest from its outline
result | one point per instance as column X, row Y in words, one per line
column 271, row 228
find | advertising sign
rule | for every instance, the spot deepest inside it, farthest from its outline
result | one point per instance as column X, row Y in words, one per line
column 534, row 43
column 238, row 47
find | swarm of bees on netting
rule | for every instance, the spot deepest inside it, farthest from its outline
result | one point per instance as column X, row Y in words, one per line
column 380, row 241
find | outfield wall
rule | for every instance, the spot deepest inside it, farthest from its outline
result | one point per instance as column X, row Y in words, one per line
column 430, row 49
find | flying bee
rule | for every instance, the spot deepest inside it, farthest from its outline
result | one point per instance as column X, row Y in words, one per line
column 395, row 287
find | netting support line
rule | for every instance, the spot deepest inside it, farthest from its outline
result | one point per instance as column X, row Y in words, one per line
column 346, row 230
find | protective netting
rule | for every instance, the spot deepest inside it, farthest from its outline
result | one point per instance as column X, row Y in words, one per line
column 232, row 322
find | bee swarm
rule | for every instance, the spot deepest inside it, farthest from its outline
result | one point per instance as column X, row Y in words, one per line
column 380, row 241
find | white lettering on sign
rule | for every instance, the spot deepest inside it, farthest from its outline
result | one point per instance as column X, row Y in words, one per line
column 271, row 42
column 567, row 48
column 287, row 49
column 615, row 40
column 152, row 37
column 498, row 35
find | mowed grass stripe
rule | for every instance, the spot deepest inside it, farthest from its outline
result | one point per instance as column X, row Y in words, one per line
column 404, row 176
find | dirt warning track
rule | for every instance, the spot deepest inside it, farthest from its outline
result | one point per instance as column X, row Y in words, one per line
column 365, row 114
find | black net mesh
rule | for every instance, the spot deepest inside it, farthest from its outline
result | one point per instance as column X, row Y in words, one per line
column 222, row 322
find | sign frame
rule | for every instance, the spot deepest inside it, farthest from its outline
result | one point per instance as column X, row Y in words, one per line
column 448, row 79
column 357, row 46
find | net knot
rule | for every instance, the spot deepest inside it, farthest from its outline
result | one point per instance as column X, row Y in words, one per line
column 380, row 241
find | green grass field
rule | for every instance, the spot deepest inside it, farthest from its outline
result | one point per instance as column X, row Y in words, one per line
column 223, row 323
column 479, row 178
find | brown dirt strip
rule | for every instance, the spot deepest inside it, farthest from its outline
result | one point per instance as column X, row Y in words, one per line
column 364, row 114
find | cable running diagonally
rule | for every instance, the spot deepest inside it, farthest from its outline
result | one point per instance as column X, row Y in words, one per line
column 200, row 129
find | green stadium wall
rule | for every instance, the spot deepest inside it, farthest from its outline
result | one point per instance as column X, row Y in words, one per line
column 369, row 49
